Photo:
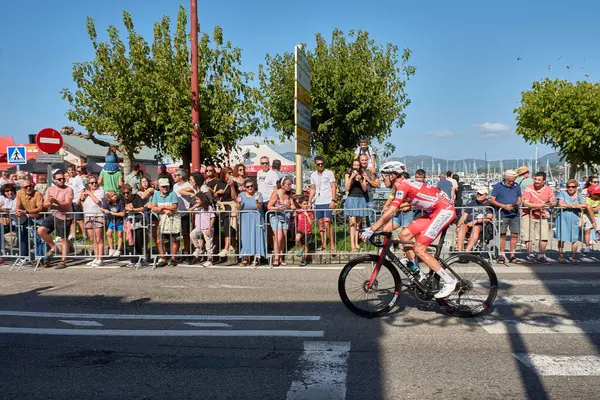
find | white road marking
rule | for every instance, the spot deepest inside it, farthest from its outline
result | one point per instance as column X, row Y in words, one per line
column 540, row 325
column 541, row 282
column 163, row 333
column 561, row 365
column 232, row 287
column 548, row 299
column 162, row 317
column 81, row 323
column 208, row 324
column 324, row 370
column 547, row 269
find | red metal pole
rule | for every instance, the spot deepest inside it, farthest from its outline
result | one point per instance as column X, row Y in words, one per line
column 195, row 102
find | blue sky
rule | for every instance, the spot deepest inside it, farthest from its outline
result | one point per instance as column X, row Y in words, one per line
column 473, row 58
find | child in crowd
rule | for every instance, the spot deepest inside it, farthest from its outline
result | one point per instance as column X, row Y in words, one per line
column 593, row 213
column 304, row 220
column 114, row 208
column 204, row 222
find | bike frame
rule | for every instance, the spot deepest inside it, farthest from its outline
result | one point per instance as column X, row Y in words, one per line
column 387, row 253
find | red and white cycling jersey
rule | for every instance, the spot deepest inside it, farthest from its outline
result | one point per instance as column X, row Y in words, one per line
column 420, row 195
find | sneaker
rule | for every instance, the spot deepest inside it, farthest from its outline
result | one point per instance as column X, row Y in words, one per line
column 197, row 253
column 91, row 263
column 222, row 253
column 207, row 264
column 302, row 263
column 117, row 253
column 172, row 263
column 543, row 260
column 161, row 264
column 447, row 290
column 111, row 252
column 531, row 259
column 71, row 239
column 586, row 250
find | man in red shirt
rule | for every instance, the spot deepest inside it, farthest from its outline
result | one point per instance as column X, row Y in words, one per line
column 425, row 229
column 537, row 198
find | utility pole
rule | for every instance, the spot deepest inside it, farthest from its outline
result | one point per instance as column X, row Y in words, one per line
column 195, row 100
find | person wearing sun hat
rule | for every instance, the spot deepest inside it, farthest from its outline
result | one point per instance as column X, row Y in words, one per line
column 523, row 180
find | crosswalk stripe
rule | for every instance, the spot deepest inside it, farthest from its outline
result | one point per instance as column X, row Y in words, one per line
column 324, row 370
column 81, row 323
column 541, row 282
column 550, row 325
column 561, row 365
column 162, row 317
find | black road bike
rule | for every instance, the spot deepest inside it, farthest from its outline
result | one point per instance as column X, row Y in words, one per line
column 370, row 285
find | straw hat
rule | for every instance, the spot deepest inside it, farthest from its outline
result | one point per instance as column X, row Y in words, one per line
column 522, row 170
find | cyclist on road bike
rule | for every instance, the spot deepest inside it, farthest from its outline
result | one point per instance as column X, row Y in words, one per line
column 426, row 229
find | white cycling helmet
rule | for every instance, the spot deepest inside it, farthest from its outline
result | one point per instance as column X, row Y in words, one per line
column 392, row 166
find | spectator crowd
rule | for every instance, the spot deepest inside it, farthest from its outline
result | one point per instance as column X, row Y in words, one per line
column 222, row 212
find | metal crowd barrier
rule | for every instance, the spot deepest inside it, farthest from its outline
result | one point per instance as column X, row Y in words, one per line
column 250, row 234
column 284, row 225
column 235, row 232
column 485, row 230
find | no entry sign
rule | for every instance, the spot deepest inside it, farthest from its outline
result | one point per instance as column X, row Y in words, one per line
column 49, row 140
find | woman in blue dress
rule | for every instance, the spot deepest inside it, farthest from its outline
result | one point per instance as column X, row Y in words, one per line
column 252, row 224
column 567, row 220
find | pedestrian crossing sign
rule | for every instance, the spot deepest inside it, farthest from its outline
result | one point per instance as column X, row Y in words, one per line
column 16, row 155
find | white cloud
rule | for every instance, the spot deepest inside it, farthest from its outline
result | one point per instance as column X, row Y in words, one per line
column 441, row 134
column 493, row 129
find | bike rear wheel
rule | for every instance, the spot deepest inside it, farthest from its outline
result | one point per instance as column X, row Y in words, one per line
column 477, row 286
column 369, row 302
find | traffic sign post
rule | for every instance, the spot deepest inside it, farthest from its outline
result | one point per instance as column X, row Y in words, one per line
column 16, row 155
column 49, row 141
column 302, row 112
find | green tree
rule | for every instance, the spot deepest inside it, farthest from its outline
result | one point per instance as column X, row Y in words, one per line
column 140, row 95
column 228, row 104
column 357, row 91
column 112, row 91
column 563, row 115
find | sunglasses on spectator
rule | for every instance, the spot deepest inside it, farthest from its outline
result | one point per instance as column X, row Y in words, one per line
column 594, row 181
column 59, row 179
column 319, row 164
column 264, row 163
column 249, row 186
column 125, row 192
column 241, row 170
column 94, row 183
column 572, row 187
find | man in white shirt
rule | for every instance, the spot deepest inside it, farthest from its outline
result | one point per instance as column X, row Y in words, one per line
column 76, row 183
column 267, row 181
column 185, row 194
column 323, row 192
column 364, row 148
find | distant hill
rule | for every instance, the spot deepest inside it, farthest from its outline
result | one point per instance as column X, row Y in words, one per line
column 415, row 162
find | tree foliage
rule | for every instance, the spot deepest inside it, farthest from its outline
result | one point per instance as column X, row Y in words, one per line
column 112, row 90
column 357, row 91
column 563, row 115
column 228, row 104
column 140, row 94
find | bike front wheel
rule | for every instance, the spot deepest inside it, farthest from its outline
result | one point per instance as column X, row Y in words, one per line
column 476, row 289
column 353, row 286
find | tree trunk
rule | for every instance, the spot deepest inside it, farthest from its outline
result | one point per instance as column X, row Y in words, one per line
column 572, row 171
column 127, row 161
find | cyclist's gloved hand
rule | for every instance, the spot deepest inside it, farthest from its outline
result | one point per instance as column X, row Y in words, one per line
column 366, row 234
